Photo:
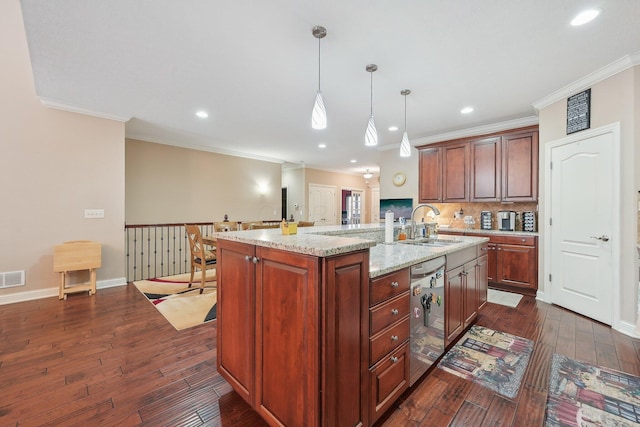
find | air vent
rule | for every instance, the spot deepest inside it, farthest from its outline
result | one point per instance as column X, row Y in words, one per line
column 11, row 279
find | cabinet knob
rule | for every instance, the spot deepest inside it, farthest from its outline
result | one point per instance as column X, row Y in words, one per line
column 394, row 338
column 394, row 359
column 394, row 311
column 394, row 284
column 247, row 258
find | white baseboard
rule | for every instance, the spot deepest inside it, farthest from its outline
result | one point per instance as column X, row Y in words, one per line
column 53, row 292
column 627, row 329
column 540, row 296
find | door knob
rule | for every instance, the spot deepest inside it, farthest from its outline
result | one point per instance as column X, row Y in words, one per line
column 604, row 238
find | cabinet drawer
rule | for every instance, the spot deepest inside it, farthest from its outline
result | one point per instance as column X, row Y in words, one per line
column 387, row 313
column 387, row 340
column 461, row 257
column 514, row 240
column 387, row 286
column 389, row 379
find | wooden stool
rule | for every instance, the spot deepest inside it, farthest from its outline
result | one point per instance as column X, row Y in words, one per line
column 74, row 256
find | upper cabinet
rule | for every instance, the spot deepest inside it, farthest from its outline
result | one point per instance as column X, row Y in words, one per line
column 444, row 173
column 491, row 168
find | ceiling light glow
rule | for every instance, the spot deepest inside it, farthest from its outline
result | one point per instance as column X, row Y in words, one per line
column 393, row 128
column 322, row 145
column 352, row 160
column 202, row 114
column 585, row 16
column 466, row 110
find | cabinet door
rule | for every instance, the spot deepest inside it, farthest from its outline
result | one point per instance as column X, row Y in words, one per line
column 517, row 265
column 430, row 171
column 485, row 179
column 236, row 316
column 520, row 167
column 287, row 338
column 492, row 262
column 454, row 298
column 455, row 173
column 470, row 286
column 389, row 378
column 482, row 281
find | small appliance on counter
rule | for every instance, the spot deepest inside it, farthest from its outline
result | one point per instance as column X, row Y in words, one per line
column 485, row 220
column 506, row 220
column 529, row 221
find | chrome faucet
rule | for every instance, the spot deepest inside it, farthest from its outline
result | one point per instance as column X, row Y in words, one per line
column 435, row 210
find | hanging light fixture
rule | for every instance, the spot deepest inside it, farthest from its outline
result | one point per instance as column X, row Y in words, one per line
column 405, row 146
column 319, row 114
column 371, row 134
column 367, row 175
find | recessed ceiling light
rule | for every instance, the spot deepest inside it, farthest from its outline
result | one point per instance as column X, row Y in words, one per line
column 585, row 16
column 202, row 114
column 322, row 145
column 466, row 110
column 393, row 128
column 353, row 160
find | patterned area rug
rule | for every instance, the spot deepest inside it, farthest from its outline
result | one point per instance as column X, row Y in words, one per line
column 182, row 306
column 581, row 394
column 495, row 360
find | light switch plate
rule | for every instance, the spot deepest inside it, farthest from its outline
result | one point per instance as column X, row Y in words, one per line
column 94, row 213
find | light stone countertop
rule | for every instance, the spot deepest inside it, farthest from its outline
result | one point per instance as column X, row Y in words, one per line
column 323, row 241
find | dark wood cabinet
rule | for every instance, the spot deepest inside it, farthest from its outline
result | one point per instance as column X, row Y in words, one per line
column 288, row 341
column 520, row 167
column 490, row 168
column 482, row 268
column 485, row 179
column 388, row 340
column 465, row 289
column 444, row 173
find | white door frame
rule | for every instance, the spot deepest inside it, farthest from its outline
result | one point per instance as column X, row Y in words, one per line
column 616, row 235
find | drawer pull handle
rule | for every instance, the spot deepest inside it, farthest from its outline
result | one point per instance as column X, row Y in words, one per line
column 394, row 284
column 394, row 338
column 394, row 359
column 394, row 311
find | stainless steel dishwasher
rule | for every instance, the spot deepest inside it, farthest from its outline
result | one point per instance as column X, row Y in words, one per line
column 427, row 316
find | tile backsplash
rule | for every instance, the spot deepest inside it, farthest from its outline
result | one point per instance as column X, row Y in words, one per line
column 448, row 210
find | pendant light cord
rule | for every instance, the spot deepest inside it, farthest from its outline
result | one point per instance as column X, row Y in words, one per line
column 405, row 113
column 318, row 64
column 371, row 72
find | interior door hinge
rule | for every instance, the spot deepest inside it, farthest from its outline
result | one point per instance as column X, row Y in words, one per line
column 549, row 276
column 550, row 165
column 550, row 221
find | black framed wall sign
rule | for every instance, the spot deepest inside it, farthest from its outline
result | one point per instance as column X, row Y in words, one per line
column 579, row 111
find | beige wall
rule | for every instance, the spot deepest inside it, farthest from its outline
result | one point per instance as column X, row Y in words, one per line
column 166, row 184
column 293, row 180
column 612, row 100
column 341, row 182
column 54, row 165
column 390, row 163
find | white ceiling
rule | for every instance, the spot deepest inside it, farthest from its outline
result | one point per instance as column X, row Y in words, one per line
column 253, row 65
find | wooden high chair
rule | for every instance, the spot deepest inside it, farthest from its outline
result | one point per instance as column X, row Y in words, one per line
column 75, row 256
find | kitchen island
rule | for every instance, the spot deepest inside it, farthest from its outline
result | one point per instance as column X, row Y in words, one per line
column 294, row 320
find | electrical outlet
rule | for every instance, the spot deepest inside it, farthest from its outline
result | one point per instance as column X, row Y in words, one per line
column 93, row 213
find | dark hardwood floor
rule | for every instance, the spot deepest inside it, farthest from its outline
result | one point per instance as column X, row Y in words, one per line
column 113, row 360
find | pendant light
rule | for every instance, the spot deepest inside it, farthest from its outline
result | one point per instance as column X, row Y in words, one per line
column 319, row 114
column 405, row 146
column 371, row 134
column 367, row 175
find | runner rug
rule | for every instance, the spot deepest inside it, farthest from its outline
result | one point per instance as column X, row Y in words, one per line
column 495, row 360
column 581, row 394
column 182, row 306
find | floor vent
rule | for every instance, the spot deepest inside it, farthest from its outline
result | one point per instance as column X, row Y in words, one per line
column 11, row 279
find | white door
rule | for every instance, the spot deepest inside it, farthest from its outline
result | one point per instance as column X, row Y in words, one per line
column 375, row 205
column 581, row 230
column 322, row 204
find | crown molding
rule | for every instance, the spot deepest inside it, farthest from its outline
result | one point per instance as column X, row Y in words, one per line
column 597, row 76
column 463, row 133
column 199, row 147
column 50, row 103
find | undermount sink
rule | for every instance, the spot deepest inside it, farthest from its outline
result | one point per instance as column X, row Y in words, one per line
column 424, row 241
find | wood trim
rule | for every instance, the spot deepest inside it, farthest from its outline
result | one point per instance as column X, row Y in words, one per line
column 473, row 137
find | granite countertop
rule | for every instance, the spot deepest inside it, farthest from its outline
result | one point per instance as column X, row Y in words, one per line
column 387, row 258
column 323, row 241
